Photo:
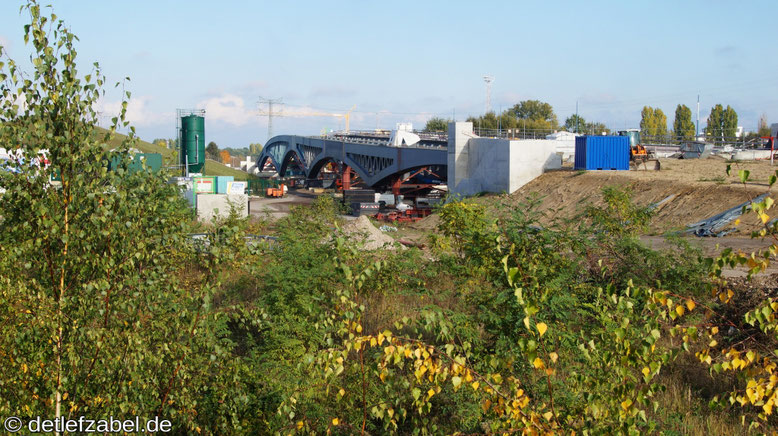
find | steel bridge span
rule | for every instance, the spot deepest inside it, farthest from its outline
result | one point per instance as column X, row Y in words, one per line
column 375, row 161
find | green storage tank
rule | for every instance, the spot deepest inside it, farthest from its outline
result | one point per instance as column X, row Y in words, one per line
column 193, row 143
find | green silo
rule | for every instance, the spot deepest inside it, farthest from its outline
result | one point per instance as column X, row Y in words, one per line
column 193, row 143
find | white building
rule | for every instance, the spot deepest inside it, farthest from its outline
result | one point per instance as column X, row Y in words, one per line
column 249, row 165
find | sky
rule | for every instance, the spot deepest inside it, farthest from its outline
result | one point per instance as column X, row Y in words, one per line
column 408, row 61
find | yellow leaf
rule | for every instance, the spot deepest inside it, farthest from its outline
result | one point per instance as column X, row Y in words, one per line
column 626, row 403
column 380, row 338
column 342, row 392
column 679, row 310
column 548, row 416
column 542, row 327
column 430, row 393
column 764, row 217
column 553, row 356
column 486, row 405
column 537, row 363
column 300, row 425
column 526, row 322
column 646, row 371
column 737, row 222
column 475, row 385
column 714, row 330
column 690, row 305
column 335, row 421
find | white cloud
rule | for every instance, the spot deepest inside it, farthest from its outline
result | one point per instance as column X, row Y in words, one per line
column 138, row 112
column 228, row 108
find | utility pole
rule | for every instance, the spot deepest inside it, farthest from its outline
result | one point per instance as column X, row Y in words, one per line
column 488, row 80
column 499, row 122
column 697, row 132
column 270, row 114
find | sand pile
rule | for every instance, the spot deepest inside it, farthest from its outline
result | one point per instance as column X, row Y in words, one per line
column 363, row 231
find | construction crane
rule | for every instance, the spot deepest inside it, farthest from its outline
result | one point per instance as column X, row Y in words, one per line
column 311, row 113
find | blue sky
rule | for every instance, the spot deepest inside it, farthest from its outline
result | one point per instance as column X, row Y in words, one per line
column 410, row 60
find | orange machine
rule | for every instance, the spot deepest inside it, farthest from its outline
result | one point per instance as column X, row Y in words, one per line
column 638, row 154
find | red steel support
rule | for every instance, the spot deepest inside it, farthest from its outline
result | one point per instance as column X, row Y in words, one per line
column 346, row 178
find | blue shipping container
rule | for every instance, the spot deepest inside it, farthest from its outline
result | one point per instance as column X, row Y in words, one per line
column 602, row 153
column 221, row 183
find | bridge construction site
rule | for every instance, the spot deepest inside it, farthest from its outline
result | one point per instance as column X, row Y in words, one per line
column 400, row 175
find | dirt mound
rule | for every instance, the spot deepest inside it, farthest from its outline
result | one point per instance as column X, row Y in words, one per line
column 365, row 232
column 428, row 223
column 693, row 190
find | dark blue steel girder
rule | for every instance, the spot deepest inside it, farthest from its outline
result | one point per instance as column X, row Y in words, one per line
column 375, row 164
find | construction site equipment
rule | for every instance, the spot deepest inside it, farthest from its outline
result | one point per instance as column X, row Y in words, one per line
column 602, row 153
column 221, row 183
column 276, row 192
column 695, row 150
column 771, row 144
column 205, row 185
column 303, row 112
column 407, row 216
column 359, row 209
column 191, row 140
column 259, row 186
column 718, row 225
column 639, row 156
column 359, row 196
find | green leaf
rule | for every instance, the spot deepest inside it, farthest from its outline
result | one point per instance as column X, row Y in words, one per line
column 744, row 174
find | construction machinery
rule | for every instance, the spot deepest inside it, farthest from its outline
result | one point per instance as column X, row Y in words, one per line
column 639, row 156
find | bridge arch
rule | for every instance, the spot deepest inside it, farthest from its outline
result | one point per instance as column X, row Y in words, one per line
column 291, row 158
column 375, row 162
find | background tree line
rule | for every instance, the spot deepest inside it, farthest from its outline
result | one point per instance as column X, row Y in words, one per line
column 535, row 115
column 526, row 116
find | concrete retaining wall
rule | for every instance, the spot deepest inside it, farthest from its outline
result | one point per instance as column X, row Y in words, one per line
column 212, row 206
column 495, row 165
